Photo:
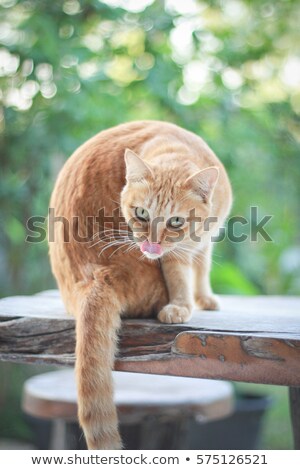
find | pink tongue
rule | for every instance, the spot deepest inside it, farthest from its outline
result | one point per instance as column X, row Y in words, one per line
column 151, row 248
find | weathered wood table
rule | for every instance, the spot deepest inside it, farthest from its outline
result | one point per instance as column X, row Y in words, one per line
column 252, row 339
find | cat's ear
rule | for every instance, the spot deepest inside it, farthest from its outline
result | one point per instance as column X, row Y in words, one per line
column 203, row 182
column 136, row 168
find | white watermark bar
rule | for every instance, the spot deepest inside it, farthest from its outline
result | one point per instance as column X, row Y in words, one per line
column 183, row 459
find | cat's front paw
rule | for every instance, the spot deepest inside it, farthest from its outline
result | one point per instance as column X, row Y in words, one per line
column 174, row 314
column 207, row 302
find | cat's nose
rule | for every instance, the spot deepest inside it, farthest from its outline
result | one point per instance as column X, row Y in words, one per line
column 152, row 248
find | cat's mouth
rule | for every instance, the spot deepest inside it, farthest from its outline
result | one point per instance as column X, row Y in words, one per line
column 151, row 250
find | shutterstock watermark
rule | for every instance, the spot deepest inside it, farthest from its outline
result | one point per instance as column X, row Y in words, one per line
column 106, row 227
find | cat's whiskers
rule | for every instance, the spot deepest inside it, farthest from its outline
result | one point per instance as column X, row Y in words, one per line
column 176, row 256
column 114, row 237
column 103, row 240
column 115, row 251
column 114, row 243
column 110, row 230
column 203, row 256
column 111, row 235
column 183, row 255
column 198, row 256
column 132, row 245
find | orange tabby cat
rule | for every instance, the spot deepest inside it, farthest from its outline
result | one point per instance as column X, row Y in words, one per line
column 167, row 182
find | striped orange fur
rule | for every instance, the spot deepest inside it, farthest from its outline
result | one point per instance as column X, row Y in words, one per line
column 101, row 271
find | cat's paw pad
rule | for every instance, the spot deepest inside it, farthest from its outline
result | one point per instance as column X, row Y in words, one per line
column 174, row 314
column 207, row 302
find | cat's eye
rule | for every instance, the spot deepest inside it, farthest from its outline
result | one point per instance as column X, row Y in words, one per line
column 142, row 214
column 176, row 222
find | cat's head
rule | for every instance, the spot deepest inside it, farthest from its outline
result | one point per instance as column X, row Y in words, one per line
column 166, row 208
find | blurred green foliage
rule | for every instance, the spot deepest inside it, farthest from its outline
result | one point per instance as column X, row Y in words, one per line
column 227, row 70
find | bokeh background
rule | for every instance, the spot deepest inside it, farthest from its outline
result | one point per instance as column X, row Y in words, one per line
column 227, row 70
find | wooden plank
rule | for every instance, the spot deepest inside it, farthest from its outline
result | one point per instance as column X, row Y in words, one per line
column 264, row 331
column 249, row 358
column 255, row 314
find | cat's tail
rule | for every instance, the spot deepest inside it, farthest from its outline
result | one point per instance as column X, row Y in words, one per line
column 97, row 323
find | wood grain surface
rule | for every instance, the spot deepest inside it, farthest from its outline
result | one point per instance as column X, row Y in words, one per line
column 251, row 339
